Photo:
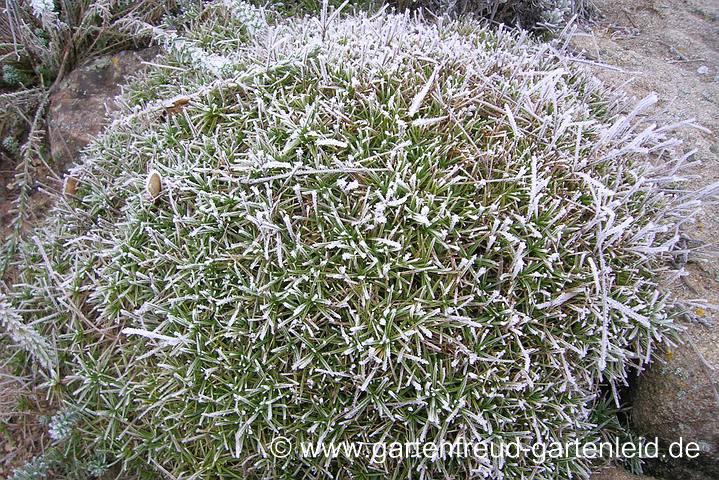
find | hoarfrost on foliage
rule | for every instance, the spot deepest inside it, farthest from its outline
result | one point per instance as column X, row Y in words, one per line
column 42, row 8
column 367, row 228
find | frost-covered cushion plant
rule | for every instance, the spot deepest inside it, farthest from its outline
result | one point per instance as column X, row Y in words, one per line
column 352, row 229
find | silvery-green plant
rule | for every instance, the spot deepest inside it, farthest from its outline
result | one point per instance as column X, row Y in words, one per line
column 367, row 229
column 61, row 424
column 97, row 466
column 36, row 469
column 11, row 145
column 24, row 335
column 43, row 8
column 12, row 76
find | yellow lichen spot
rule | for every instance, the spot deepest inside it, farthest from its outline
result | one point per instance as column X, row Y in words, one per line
column 701, row 312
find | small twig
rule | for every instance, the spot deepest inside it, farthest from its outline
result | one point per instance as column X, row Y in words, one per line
column 604, row 65
column 687, row 60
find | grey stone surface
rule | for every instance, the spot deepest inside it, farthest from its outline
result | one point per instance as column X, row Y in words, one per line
column 616, row 473
column 678, row 398
column 79, row 109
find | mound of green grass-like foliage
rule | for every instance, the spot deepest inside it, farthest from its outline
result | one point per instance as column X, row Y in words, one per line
column 530, row 14
column 359, row 229
column 540, row 15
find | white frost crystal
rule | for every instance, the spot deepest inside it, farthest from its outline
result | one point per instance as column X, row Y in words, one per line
column 252, row 17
